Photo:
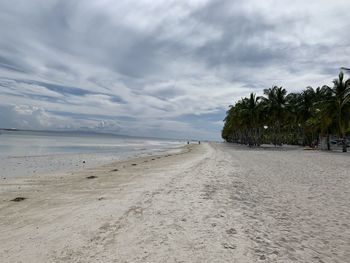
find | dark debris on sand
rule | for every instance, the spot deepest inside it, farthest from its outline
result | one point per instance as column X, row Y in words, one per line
column 91, row 177
column 18, row 199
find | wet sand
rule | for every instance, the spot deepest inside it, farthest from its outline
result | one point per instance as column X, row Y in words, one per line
column 208, row 203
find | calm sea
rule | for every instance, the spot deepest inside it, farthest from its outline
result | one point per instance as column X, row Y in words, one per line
column 40, row 143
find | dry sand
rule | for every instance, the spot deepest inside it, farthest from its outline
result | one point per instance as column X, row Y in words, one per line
column 210, row 203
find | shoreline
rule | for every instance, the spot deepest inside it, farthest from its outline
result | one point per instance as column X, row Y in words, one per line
column 48, row 164
column 105, row 168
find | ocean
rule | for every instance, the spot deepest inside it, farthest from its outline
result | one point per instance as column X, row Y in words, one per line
column 24, row 153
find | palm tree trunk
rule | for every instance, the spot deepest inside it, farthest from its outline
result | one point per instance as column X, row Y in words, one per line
column 328, row 143
column 279, row 135
column 342, row 133
column 344, row 143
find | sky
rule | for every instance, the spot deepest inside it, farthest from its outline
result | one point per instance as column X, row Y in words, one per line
column 159, row 68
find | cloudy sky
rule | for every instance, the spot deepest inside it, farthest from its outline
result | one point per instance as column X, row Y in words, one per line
column 159, row 68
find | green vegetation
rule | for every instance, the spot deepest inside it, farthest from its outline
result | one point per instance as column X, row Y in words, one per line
column 295, row 118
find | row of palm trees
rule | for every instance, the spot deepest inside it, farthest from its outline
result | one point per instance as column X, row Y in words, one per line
column 295, row 118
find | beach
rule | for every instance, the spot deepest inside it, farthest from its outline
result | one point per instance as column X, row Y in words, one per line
column 213, row 202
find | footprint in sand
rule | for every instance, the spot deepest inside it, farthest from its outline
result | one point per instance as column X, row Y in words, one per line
column 229, row 246
column 231, row 231
column 262, row 257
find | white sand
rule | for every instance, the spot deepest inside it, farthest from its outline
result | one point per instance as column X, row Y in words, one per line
column 18, row 166
column 212, row 203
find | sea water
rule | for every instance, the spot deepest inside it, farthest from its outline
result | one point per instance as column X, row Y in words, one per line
column 35, row 152
column 35, row 143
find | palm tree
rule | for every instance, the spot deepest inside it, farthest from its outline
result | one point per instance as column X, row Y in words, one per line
column 274, row 105
column 337, row 106
column 250, row 115
column 242, row 121
column 229, row 130
column 322, row 116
